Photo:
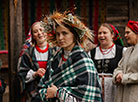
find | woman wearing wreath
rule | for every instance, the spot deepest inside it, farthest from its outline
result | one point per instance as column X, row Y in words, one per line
column 72, row 76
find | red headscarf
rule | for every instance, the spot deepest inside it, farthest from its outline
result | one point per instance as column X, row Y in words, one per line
column 117, row 38
column 28, row 41
column 133, row 25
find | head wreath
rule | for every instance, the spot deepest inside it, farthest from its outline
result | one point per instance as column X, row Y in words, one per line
column 117, row 38
column 67, row 18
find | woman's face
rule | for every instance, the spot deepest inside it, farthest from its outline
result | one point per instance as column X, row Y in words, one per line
column 130, row 36
column 65, row 38
column 105, row 36
column 38, row 33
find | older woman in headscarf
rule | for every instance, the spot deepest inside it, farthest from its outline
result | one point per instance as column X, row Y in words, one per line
column 126, row 74
column 72, row 74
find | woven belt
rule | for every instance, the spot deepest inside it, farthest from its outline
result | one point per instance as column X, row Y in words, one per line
column 103, row 76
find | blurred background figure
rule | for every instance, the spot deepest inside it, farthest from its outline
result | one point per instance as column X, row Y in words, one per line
column 126, row 74
column 2, row 89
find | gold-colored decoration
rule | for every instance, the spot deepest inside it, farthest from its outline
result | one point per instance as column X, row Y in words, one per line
column 15, row 5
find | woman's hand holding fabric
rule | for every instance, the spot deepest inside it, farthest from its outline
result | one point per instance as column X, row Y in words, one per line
column 119, row 78
column 40, row 72
column 51, row 91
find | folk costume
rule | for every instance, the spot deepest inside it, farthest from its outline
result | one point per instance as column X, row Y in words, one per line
column 29, row 62
column 106, row 60
column 31, row 59
column 76, row 78
column 127, row 90
column 73, row 72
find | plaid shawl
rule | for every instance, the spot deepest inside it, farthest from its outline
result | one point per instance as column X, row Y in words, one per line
column 76, row 77
column 26, row 62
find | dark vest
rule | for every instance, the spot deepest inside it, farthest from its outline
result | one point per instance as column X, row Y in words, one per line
column 107, row 65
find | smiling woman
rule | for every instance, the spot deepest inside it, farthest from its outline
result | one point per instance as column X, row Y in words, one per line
column 106, row 57
column 33, row 61
column 38, row 34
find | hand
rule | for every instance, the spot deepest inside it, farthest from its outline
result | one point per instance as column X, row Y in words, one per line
column 51, row 91
column 40, row 72
column 119, row 78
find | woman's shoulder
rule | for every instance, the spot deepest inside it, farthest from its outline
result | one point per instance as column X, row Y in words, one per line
column 122, row 49
column 27, row 51
column 119, row 47
column 80, row 55
column 30, row 49
column 129, row 48
column 54, row 50
column 92, row 52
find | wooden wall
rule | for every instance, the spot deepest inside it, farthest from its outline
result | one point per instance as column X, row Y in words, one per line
column 92, row 13
column 118, row 14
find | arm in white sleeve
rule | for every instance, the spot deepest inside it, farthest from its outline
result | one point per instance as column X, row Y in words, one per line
column 63, row 95
column 89, row 53
column 29, row 76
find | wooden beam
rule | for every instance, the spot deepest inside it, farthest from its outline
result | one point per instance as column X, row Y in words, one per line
column 15, row 43
column 117, row 18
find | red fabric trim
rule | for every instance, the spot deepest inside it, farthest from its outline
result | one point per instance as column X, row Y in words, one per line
column 63, row 58
column 57, row 93
column 108, row 48
column 42, row 64
column 40, row 50
column 0, row 84
column 113, row 28
column 116, row 32
column 103, row 88
column 3, row 52
column 103, row 77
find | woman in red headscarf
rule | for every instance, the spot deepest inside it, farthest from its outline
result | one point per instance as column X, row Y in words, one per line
column 33, row 61
column 126, row 74
column 106, row 57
